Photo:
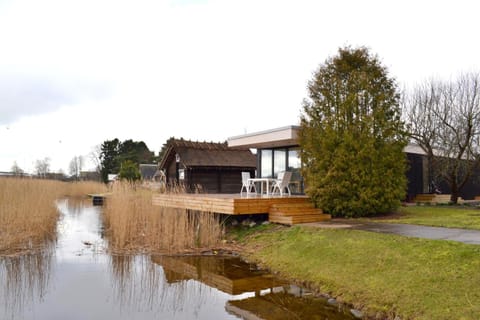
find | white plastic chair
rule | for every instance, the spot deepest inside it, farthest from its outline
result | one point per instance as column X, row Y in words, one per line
column 282, row 182
column 247, row 185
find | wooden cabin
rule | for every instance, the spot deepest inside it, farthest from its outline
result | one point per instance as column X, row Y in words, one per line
column 206, row 166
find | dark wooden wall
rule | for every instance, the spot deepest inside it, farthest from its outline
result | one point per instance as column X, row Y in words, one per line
column 417, row 173
column 217, row 180
column 209, row 180
column 171, row 172
column 415, row 176
column 469, row 191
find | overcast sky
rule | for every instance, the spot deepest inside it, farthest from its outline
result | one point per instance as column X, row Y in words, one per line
column 76, row 73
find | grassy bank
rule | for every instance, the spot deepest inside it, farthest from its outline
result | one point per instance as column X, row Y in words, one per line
column 439, row 216
column 134, row 225
column 28, row 214
column 383, row 275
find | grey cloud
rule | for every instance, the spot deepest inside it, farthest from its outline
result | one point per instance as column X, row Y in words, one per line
column 22, row 95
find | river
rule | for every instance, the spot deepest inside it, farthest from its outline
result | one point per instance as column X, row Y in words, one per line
column 76, row 278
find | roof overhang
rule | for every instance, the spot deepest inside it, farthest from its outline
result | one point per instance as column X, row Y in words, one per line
column 163, row 162
column 414, row 148
column 279, row 137
column 285, row 137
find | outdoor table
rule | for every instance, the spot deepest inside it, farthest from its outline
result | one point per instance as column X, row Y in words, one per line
column 263, row 181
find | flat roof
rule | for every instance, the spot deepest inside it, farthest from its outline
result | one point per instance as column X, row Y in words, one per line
column 278, row 137
column 285, row 137
column 414, row 148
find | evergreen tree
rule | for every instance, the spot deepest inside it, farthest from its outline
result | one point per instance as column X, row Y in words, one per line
column 109, row 158
column 352, row 138
column 113, row 153
column 135, row 151
column 129, row 171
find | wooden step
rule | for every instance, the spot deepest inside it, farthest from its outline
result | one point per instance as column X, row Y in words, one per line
column 299, row 219
column 432, row 198
column 424, row 197
column 297, row 212
column 293, row 210
column 293, row 213
column 292, row 205
column 296, row 207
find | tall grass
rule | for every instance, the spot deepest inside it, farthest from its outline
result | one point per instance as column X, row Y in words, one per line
column 134, row 224
column 81, row 188
column 28, row 213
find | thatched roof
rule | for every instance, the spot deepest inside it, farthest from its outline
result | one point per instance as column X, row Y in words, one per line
column 207, row 154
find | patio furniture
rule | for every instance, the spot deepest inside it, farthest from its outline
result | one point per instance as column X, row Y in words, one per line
column 281, row 183
column 262, row 181
column 247, row 184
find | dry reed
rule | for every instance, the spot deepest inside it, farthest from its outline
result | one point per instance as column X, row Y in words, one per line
column 134, row 224
column 82, row 188
column 28, row 213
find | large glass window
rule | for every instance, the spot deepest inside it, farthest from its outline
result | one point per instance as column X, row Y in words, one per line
column 293, row 159
column 266, row 163
column 294, row 165
column 273, row 161
column 279, row 161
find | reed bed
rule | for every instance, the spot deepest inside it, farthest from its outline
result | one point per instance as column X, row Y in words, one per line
column 28, row 213
column 82, row 188
column 134, row 225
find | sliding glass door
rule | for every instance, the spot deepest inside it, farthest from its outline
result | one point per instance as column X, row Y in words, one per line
column 266, row 163
column 273, row 161
column 279, row 161
column 295, row 165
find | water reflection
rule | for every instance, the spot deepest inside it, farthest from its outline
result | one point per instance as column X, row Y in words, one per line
column 136, row 282
column 24, row 279
column 228, row 274
column 255, row 294
column 290, row 302
column 142, row 286
column 77, row 279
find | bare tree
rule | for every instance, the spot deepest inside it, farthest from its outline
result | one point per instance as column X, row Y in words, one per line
column 444, row 119
column 16, row 170
column 94, row 156
column 75, row 167
column 42, row 167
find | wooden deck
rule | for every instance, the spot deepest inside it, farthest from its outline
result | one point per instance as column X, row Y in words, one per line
column 285, row 210
column 434, row 198
column 224, row 203
column 98, row 198
column 228, row 275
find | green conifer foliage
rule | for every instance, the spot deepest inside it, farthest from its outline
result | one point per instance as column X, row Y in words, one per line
column 129, row 171
column 352, row 137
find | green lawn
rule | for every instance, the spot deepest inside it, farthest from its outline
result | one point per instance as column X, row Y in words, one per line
column 381, row 274
column 439, row 216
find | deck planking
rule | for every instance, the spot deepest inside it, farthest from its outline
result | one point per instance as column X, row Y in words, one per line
column 232, row 204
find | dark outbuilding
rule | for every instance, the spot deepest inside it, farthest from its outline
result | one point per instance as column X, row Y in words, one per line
column 206, row 166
